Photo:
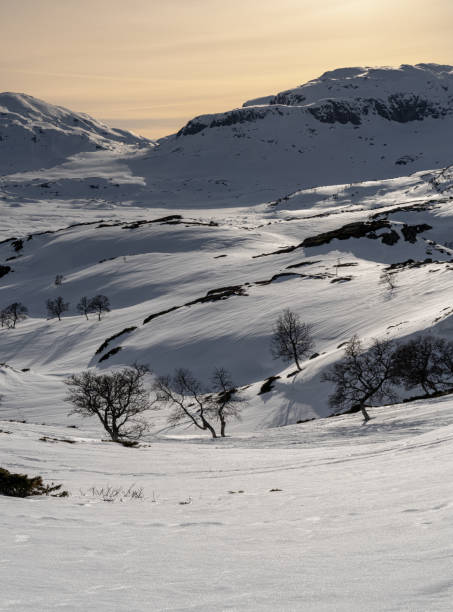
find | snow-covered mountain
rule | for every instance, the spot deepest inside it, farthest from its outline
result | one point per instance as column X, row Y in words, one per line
column 350, row 125
column 35, row 134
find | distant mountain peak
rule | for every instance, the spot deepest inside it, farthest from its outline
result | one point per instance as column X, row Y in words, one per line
column 36, row 134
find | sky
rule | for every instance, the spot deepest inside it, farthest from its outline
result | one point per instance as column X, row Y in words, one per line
column 151, row 65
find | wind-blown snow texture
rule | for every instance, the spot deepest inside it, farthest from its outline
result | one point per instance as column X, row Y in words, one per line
column 297, row 200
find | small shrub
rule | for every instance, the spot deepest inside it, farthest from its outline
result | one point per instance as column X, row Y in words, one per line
column 20, row 485
column 111, row 494
column 129, row 443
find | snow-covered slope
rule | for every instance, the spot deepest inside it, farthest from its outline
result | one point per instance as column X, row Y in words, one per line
column 35, row 134
column 205, row 289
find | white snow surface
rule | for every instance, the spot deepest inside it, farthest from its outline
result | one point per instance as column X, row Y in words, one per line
column 362, row 520
column 326, row 516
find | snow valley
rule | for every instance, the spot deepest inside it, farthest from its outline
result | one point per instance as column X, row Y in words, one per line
column 332, row 202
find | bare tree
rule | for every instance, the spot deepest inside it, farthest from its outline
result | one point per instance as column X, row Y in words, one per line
column 186, row 395
column 56, row 307
column 59, row 280
column 13, row 313
column 99, row 304
column 226, row 402
column 292, row 339
column 5, row 318
column 84, row 306
column 388, row 280
column 118, row 399
column 363, row 376
column 425, row 361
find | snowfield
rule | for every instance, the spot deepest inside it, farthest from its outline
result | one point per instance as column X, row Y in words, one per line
column 300, row 200
column 332, row 515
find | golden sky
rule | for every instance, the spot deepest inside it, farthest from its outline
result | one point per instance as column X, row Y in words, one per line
column 150, row 65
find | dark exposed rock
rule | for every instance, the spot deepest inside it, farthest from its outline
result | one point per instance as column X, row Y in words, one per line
column 112, row 352
column 410, row 231
column 389, row 238
column 4, row 270
column 268, row 385
column 358, row 229
column 241, row 115
column 334, row 111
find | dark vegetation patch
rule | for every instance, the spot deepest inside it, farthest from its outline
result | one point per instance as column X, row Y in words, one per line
column 47, row 439
column 159, row 314
column 104, row 345
column 18, row 244
column 342, row 344
column 129, row 443
column 346, row 265
column 214, row 295
column 277, row 276
column 20, row 485
column 446, row 312
column 220, row 294
column 112, row 352
column 268, row 385
column 341, row 279
column 305, row 263
column 168, row 219
column 411, row 263
column 409, row 208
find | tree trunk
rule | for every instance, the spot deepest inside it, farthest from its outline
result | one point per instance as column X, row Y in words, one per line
column 366, row 416
column 206, row 425
column 222, row 427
